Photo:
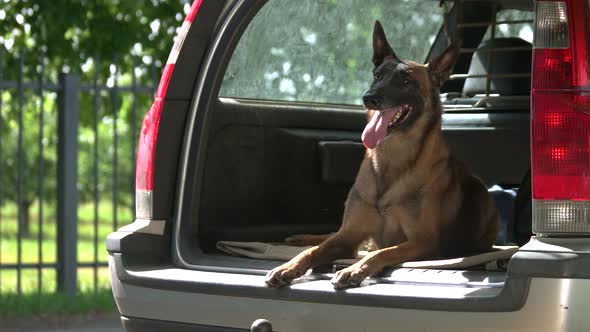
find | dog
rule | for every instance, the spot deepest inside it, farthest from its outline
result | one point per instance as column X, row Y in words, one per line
column 410, row 196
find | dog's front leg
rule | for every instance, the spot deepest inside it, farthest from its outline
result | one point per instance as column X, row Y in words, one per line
column 375, row 262
column 302, row 240
column 332, row 248
column 360, row 221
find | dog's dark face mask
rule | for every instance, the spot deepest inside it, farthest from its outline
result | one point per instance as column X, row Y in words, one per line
column 401, row 90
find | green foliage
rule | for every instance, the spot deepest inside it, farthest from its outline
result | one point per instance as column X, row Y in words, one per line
column 31, row 141
column 72, row 31
column 112, row 41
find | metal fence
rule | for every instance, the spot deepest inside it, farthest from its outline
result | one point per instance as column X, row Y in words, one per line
column 61, row 143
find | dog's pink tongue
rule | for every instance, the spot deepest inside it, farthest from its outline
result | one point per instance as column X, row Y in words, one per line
column 376, row 129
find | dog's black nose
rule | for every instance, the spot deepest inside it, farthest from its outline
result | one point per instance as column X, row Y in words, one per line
column 371, row 101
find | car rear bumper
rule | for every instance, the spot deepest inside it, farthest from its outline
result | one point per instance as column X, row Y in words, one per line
column 546, row 288
column 552, row 305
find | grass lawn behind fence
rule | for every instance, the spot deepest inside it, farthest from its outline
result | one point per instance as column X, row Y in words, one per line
column 13, row 306
column 30, row 249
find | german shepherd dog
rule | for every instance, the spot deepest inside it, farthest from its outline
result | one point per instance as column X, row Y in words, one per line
column 410, row 196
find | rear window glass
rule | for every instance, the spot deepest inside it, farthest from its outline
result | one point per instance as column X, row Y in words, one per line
column 320, row 50
column 513, row 23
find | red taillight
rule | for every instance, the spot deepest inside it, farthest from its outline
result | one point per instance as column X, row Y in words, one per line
column 144, row 170
column 552, row 69
column 146, row 148
column 561, row 158
column 560, row 123
column 193, row 11
column 164, row 80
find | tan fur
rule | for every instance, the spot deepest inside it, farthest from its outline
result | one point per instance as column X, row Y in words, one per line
column 411, row 197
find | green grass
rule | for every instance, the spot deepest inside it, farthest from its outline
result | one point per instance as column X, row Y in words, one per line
column 29, row 280
column 46, row 300
column 13, row 305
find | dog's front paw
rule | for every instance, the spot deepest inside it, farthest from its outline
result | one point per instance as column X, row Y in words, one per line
column 351, row 276
column 284, row 274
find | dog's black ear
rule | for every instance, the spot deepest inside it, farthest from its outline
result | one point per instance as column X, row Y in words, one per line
column 381, row 48
column 440, row 68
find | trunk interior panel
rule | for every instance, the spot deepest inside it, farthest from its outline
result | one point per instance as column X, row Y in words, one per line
column 274, row 170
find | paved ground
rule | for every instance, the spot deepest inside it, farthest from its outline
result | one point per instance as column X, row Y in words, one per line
column 79, row 323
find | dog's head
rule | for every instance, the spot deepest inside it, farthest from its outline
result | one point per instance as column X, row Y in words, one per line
column 402, row 92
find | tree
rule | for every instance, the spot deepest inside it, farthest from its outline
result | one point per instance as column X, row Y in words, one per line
column 29, row 154
column 68, row 35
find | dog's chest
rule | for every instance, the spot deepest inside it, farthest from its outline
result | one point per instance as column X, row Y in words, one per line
column 387, row 185
column 404, row 191
column 399, row 210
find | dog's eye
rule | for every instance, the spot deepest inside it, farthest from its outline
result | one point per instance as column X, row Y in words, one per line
column 406, row 82
column 377, row 75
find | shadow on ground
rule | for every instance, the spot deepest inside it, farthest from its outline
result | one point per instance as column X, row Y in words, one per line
column 103, row 322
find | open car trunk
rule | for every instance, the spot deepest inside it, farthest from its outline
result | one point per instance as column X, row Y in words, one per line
column 273, row 170
column 266, row 170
